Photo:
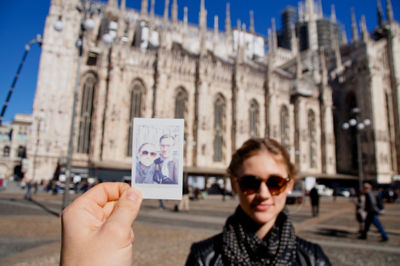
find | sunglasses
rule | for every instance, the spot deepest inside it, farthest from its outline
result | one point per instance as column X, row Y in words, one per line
column 147, row 153
column 251, row 184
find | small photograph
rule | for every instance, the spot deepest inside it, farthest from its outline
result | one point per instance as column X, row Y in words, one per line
column 157, row 160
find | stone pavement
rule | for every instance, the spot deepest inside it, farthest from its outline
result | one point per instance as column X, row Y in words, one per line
column 30, row 230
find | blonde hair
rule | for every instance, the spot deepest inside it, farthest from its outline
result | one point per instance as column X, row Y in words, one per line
column 256, row 145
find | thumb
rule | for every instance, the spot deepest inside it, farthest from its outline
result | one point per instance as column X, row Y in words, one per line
column 126, row 209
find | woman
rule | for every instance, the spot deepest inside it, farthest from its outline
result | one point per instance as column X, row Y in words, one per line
column 145, row 167
column 260, row 231
column 361, row 214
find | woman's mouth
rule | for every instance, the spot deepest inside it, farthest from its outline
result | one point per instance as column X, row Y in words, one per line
column 262, row 206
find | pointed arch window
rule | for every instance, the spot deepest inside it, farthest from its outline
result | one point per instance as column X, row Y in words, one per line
column 181, row 103
column 312, row 138
column 6, row 151
column 181, row 112
column 389, row 119
column 219, row 127
column 284, row 125
column 254, row 118
column 86, row 111
column 135, row 109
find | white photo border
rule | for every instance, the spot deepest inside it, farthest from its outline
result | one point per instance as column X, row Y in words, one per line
column 149, row 130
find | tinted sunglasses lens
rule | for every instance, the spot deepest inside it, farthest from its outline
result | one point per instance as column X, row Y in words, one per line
column 153, row 154
column 145, row 152
column 276, row 184
column 249, row 184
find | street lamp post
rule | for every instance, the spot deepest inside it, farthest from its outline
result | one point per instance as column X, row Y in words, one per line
column 359, row 126
column 86, row 24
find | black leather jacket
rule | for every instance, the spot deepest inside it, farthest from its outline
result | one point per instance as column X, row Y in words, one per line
column 209, row 252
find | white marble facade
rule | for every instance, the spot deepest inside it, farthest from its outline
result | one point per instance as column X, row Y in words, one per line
column 231, row 88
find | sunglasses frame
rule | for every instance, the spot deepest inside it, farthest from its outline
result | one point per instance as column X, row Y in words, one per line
column 148, row 153
column 273, row 193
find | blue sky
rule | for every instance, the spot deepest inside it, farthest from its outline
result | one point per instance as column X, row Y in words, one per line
column 22, row 20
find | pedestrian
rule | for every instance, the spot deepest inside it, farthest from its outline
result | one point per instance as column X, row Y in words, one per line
column 184, row 203
column 361, row 214
column 161, row 204
column 372, row 214
column 314, row 197
column 28, row 193
column 260, row 231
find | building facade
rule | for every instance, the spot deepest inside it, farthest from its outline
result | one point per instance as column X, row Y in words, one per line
column 228, row 86
column 13, row 146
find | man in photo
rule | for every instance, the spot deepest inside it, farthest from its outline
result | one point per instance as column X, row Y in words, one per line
column 145, row 167
column 166, row 165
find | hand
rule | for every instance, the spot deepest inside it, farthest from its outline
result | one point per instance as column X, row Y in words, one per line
column 97, row 226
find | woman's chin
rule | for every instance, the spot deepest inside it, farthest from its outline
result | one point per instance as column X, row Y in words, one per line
column 262, row 217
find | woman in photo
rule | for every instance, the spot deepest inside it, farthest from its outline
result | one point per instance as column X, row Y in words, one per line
column 145, row 167
column 260, row 231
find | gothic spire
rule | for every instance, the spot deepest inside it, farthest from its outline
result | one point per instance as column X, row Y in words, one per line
column 252, row 21
column 310, row 11
column 123, row 6
column 215, row 27
column 163, row 37
column 363, row 27
column 293, row 40
column 301, row 11
column 153, row 3
column 241, row 53
column 203, row 27
column 185, row 24
column 112, row 8
column 379, row 12
column 174, row 11
column 228, row 19
column 270, row 55
column 270, row 48
column 203, row 16
column 166, row 8
column 333, row 13
column 143, row 10
column 299, row 67
column 112, row 4
column 344, row 37
column 338, row 56
column 320, row 10
column 324, row 71
column 389, row 11
column 354, row 28
column 274, row 35
column 185, row 16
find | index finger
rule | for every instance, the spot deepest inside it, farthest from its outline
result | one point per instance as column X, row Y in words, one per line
column 104, row 192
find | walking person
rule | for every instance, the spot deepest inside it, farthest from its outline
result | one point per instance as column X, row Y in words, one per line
column 314, row 197
column 184, row 203
column 372, row 214
column 260, row 231
column 28, row 193
column 361, row 214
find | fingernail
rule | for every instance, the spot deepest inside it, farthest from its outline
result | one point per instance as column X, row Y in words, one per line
column 132, row 195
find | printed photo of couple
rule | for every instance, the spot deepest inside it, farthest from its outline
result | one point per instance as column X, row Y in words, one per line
column 157, row 151
column 156, row 163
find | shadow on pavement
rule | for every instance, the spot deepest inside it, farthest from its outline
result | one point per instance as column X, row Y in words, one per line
column 333, row 232
column 45, row 208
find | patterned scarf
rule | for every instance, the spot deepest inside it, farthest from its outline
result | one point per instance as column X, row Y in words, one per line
column 241, row 246
column 144, row 175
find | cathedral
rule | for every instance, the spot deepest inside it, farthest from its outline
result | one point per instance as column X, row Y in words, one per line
column 332, row 102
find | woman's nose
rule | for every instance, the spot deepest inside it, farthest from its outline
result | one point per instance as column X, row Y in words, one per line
column 264, row 191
